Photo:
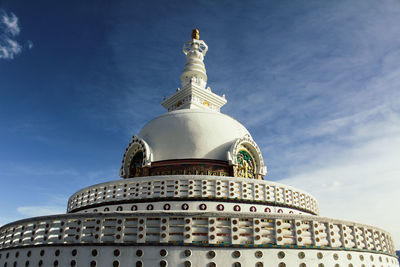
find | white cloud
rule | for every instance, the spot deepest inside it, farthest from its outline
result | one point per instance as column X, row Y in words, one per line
column 361, row 181
column 9, row 48
column 10, row 23
column 9, row 29
column 30, row 44
column 33, row 211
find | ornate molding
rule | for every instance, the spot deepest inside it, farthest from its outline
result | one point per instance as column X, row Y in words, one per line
column 135, row 145
column 247, row 143
column 193, row 96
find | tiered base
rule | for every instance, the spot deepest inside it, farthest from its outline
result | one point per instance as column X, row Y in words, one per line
column 195, row 193
column 186, row 256
column 192, row 239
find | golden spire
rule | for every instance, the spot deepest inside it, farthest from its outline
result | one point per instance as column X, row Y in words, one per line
column 195, row 34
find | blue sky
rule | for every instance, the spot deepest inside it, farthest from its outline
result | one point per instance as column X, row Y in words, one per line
column 315, row 82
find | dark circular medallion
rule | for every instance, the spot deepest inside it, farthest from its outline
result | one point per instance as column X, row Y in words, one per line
column 236, row 208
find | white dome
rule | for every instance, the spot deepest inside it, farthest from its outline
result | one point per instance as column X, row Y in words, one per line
column 191, row 133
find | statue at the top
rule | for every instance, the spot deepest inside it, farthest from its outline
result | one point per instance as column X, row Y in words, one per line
column 195, row 34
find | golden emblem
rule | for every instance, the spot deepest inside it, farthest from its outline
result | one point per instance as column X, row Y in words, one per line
column 195, row 34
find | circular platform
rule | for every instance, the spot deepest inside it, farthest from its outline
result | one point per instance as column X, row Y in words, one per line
column 265, row 196
column 203, row 229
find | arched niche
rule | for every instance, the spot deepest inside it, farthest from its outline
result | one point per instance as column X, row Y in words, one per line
column 246, row 159
column 137, row 159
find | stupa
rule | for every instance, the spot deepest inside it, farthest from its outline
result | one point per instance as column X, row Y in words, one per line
column 193, row 194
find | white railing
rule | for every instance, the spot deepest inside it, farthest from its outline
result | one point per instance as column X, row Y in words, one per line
column 193, row 186
column 193, row 228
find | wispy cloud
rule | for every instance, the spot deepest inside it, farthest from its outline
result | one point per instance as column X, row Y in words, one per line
column 48, row 188
column 37, row 171
column 10, row 23
column 33, row 211
column 322, row 100
column 358, row 181
column 9, row 48
column 30, row 44
column 9, row 30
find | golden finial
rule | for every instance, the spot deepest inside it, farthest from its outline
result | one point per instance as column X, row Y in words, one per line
column 195, row 34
